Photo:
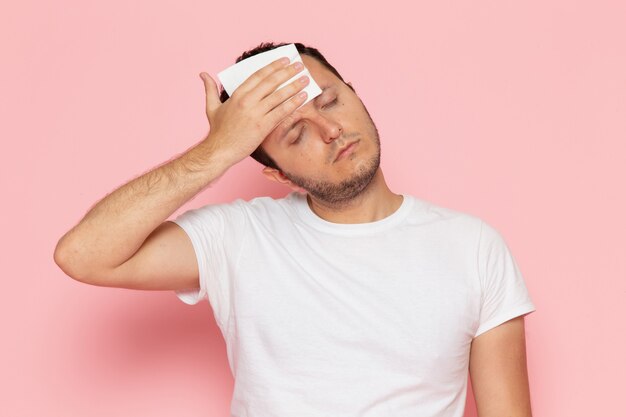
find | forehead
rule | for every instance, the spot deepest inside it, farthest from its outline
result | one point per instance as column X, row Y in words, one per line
column 322, row 75
column 319, row 72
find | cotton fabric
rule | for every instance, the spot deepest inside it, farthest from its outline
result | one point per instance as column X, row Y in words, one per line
column 353, row 320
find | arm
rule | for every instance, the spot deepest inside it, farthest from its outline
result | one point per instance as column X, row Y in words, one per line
column 498, row 371
column 124, row 240
column 97, row 249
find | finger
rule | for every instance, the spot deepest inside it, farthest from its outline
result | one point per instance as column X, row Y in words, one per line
column 253, row 80
column 212, row 95
column 270, row 83
column 284, row 93
column 285, row 109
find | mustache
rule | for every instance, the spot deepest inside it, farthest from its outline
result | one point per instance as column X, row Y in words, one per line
column 344, row 138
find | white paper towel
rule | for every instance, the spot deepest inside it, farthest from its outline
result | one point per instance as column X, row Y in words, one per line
column 233, row 76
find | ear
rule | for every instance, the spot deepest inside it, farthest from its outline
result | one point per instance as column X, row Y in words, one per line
column 273, row 174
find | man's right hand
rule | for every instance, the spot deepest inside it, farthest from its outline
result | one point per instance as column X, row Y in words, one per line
column 239, row 125
column 126, row 241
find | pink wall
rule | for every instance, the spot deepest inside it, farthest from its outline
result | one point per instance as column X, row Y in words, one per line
column 512, row 111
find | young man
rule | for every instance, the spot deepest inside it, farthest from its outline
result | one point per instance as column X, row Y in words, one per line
column 342, row 298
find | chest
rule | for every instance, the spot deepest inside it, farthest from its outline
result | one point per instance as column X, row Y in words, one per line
column 400, row 303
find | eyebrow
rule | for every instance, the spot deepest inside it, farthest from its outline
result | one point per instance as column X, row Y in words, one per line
column 285, row 131
column 324, row 88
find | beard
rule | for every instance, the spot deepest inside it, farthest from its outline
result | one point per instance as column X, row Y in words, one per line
column 347, row 189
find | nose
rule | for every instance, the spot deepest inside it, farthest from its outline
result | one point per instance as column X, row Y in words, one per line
column 329, row 129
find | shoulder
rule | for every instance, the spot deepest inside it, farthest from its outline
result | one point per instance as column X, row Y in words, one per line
column 268, row 203
column 264, row 209
column 444, row 218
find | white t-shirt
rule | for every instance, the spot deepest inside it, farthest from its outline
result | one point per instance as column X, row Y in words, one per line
column 371, row 319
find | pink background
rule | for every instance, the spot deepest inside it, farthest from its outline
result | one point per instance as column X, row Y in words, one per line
column 512, row 111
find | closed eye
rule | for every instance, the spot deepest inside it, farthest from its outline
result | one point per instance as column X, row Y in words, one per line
column 330, row 104
column 299, row 136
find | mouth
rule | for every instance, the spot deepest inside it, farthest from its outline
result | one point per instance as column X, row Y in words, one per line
column 346, row 150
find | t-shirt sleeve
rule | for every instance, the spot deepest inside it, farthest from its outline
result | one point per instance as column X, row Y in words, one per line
column 216, row 232
column 503, row 291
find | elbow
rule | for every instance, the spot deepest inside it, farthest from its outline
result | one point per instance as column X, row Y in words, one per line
column 66, row 259
column 63, row 260
column 72, row 261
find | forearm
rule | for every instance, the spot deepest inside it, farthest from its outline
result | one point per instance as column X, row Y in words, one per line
column 115, row 227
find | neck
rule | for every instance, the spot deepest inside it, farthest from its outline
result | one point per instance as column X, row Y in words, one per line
column 374, row 203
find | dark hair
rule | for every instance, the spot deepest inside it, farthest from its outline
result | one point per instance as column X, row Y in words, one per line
column 259, row 153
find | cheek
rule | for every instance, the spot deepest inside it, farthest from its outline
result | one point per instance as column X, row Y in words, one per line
column 303, row 159
column 351, row 116
column 309, row 162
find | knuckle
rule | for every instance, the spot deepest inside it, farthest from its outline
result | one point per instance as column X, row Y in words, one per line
column 296, row 85
column 288, row 119
column 275, row 77
column 256, row 74
column 291, row 104
column 242, row 102
column 282, row 75
column 262, row 72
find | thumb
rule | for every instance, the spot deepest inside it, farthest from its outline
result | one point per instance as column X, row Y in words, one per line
column 212, row 95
